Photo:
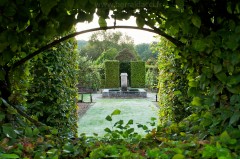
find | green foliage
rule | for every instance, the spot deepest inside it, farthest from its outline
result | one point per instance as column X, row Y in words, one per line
column 106, row 55
column 89, row 76
column 151, row 77
column 138, row 74
column 53, row 102
column 112, row 74
column 125, row 56
column 81, row 44
column 106, row 42
column 172, row 84
column 145, row 52
column 207, row 40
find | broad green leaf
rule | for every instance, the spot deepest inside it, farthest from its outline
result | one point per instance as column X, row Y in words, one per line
column 2, row 116
column 36, row 131
column 140, row 22
column 178, row 156
column 107, row 130
column 116, row 112
column 153, row 118
column 217, row 68
column 196, row 101
column 177, row 92
column 230, row 68
column 28, row 132
column 130, row 122
column 8, row 130
column 199, row 45
column 222, row 77
column 232, row 41
column 224, row 137
column 209, row 151
column 108, row 118
column 217, row 53
column 193, row 83
column 234, row 89
column 52, row 151
column 145, row 127
column 180, row 3
column 47, row 5
column 120, row 122
column 6, row 156
column 196, row 21
column 232, row 80
column 131, row 130
column 54, row 131
column 234, row 118
column 102, row 22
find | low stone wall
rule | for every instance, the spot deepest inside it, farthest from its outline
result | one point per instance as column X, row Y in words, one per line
column 115, row 93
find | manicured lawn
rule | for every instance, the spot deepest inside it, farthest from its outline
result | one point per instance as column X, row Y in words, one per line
column 140, row 110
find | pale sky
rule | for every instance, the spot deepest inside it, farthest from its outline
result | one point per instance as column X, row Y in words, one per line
column 138, row 36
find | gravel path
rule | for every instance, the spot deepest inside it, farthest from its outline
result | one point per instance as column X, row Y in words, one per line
column 82, row 108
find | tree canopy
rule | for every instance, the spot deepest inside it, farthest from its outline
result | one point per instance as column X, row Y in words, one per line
column 102, row 41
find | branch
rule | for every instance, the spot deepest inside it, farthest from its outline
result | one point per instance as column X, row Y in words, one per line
column 35, row 122
column 168, row 37
column 46, row 47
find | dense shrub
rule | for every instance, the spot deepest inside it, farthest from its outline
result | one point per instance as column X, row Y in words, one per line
column 151, row 77
column 53, row 88
column 172, row 84
column 138, row 74
column 89, row 74
column 112, row 74
column 125, row 56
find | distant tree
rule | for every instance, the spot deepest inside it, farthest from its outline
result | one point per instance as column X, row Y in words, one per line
column 125, row 56
column 81, row 44
column 107, row 55
column 144, row 51
column 104, row 40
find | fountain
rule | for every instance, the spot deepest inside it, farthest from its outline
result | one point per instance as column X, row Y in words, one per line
column 124, row 91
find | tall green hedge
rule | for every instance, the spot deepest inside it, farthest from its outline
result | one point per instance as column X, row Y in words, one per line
column 53, row 88
column 138, row 74
column 112, row 74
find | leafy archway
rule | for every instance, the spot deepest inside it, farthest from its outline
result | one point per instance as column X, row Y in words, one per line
column 206, row 35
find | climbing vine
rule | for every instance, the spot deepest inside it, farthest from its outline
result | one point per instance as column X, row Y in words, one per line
column 206, row 37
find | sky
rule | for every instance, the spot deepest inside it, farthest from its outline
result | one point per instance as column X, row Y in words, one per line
column 138, row 36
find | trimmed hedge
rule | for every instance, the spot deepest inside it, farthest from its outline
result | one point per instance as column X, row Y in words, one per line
column 112, row 74
column 138, row 74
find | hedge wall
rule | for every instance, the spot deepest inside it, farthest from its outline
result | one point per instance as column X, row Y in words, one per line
column 138, row 74
column 112, row 74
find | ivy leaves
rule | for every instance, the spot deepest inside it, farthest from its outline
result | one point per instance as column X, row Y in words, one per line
column 47, row 5
column 196, row 21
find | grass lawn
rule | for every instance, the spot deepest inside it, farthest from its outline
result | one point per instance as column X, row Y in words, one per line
column 140, row 110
